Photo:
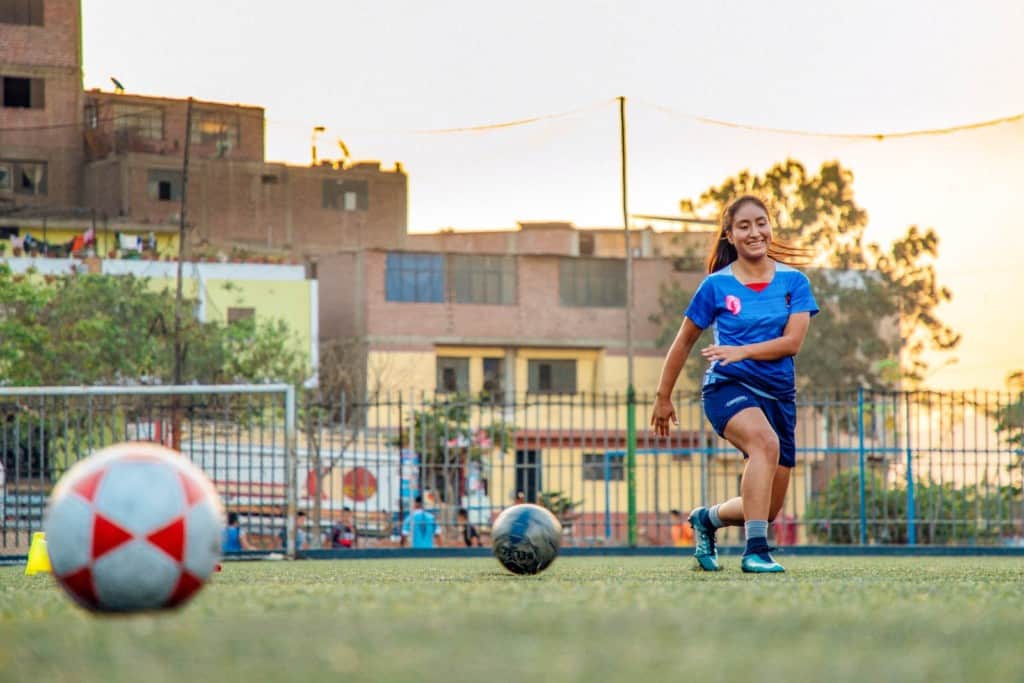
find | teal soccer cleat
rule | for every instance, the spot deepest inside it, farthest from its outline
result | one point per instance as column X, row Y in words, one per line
column 760, row 563
column 706, row 552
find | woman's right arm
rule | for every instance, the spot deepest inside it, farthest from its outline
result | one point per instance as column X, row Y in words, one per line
column 664, row 413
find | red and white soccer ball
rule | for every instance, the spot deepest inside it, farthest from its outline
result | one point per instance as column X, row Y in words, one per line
column 133, row 527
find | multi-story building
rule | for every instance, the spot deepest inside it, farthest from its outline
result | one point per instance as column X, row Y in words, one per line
column 41, row 71
column 505, row 312
column 235, row 198
column 113, row 162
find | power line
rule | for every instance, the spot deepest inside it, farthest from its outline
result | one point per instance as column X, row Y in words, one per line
column 496, row 126
column 515, row 123
column 484, row 127
column 879, row 137
column 82, row 124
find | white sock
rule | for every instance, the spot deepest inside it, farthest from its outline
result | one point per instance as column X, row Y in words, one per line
column 716, row 521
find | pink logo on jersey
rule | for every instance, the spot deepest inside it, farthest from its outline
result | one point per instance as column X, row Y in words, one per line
column 732, row 304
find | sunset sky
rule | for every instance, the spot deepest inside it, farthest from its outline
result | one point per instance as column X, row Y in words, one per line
column 373, row 73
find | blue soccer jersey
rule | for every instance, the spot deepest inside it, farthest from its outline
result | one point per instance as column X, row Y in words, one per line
column 738, row 315
column 422, row 526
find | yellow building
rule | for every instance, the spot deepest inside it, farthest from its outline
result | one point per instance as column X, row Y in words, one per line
column 222, row 291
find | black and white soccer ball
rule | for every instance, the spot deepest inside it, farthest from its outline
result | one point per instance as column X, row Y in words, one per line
column 526, row 538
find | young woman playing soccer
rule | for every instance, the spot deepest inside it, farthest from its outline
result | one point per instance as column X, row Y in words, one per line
column 759, row 310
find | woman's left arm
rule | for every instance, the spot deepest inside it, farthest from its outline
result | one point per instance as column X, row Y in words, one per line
column 787, row 345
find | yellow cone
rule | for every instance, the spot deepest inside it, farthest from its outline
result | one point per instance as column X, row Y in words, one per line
column 38, row 557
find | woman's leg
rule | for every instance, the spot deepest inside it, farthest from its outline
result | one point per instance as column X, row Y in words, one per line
column 750, row 432
column 779, row 487
column 731, row 511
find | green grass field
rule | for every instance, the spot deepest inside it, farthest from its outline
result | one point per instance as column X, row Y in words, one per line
column 586, row 619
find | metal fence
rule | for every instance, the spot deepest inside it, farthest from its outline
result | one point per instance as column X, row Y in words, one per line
column 873, row 468
column 242, row 436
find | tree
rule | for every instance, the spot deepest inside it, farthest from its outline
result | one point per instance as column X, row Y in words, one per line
column 944, row 511
column 346, row 388
column 77, row 329
column 447, row 441
column 103, row 329
column 1010, row 417
column 110, row 329
column 878, row 301
column 673, row 298
column 342, row 367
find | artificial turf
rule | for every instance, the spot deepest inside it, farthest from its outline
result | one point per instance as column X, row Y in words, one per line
column 585, row 619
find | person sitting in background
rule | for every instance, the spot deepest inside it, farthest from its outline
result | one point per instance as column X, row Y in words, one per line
column 682, row 532
column 301, row 535
column 344, row 533
column 235, row 540
column 469, row 531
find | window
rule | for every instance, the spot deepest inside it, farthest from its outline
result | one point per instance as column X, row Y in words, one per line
column 215, row 128
column 238, row 314
column 593, row 468
column 592, row 282
column 92, row 116
column 164, row 185
column 415, row 277
column 24, row 93
column 139, row 120
column 494, row 379
column 552, row 376
column 24, row 12
column 483, row 279
column 346, row 195
column 452, row 375
column 528, row 474
column 586, row 244
column 24, row 177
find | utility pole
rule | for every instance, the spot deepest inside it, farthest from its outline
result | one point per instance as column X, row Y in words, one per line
column 630, row 389
column 629, row 246
column 179, row 351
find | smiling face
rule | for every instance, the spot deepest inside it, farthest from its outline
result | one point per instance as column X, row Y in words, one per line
column 751, row 232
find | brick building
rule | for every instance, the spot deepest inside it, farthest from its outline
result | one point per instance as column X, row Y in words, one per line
column 41, row 69
column 68, row 156
column 504, row 311
column 134, row 169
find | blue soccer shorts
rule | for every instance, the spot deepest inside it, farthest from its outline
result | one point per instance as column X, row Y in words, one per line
column 723, row 400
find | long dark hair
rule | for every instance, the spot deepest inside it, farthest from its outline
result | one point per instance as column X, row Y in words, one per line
column 723, row 252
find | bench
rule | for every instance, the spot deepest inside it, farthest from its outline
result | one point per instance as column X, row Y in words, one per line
column 22, row 510
column 368, row 524
column 374, row 524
